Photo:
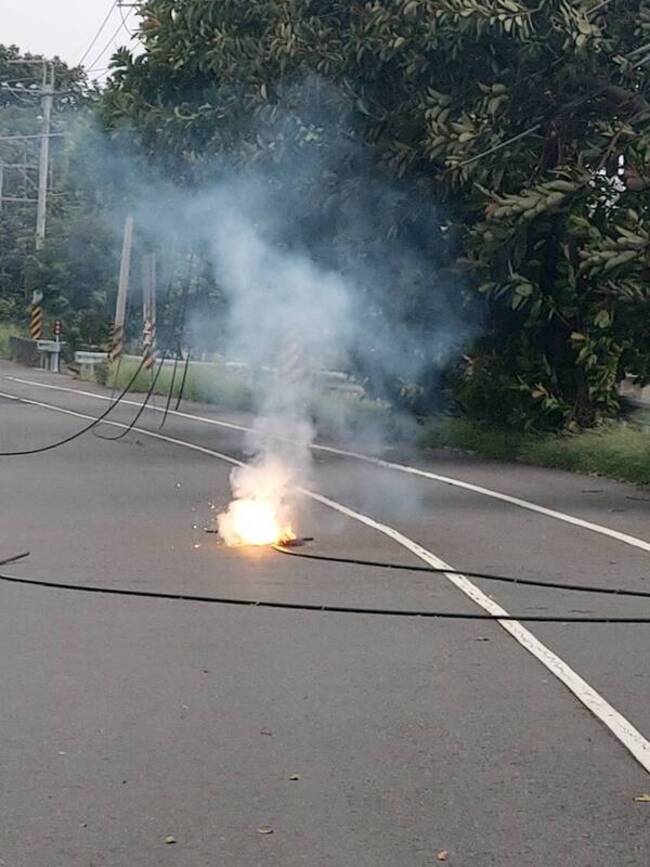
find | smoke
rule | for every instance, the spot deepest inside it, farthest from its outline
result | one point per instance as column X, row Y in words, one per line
column 288, row 317
column 306, row 292
column 319, row 259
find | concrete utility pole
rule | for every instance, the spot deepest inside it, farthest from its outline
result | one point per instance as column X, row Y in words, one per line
column 47, row 99
column 117, row 347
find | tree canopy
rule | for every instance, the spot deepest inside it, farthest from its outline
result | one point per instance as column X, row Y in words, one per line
column 528, row 120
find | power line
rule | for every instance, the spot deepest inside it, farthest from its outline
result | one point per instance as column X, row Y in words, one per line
column 322, row 609
column 84, row 430
column 145, row 402
column 121, row 11
column 121, row 25
column 486, row 576
column 99, row 32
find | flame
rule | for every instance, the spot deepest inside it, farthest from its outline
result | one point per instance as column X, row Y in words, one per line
column 253, row 522
column 261, row 508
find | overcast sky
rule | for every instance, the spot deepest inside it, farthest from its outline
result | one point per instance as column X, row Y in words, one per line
column 66, row 28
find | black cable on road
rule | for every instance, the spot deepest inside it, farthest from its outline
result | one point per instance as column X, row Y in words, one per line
column 142, row 408
column 181, row 391
column 14, row 559
column 486, row 576
column 84, row 430
column 170, row 393
column 333, row 609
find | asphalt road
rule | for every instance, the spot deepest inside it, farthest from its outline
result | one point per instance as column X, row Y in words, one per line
column 126, row 721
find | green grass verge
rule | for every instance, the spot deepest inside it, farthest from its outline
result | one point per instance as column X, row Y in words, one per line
column 619, row 450
column 205, row 383
column 7, row 330
column 336, row 414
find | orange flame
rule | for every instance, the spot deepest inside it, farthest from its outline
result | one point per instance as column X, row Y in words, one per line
column 253, row 522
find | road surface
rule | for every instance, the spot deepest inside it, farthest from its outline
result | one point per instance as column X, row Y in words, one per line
column 127, row 721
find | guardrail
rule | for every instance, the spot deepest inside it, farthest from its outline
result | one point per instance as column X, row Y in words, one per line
column 332, row 380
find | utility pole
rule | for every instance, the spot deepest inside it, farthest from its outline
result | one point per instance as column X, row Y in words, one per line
column 2, row 181
column 117, row 347
column 47, row 99
column 149, row 310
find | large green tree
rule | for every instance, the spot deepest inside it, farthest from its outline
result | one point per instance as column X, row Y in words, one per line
column 527, row 119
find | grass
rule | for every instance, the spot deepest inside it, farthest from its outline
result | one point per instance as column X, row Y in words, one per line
column 231, row 388
column 7, row 330
column 205, row 383
column 619, row 450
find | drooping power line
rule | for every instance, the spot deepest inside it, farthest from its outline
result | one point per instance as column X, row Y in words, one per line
column 99, row 32
column 122, row 25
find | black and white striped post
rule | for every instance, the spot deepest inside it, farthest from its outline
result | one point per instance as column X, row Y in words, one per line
column 36, row 317
column 149, row 317
column 117, row 338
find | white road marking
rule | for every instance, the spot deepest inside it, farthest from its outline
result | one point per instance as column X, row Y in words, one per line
column 620, row 727
column 626, row 538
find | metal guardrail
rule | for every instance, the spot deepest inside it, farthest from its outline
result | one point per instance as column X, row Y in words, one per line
column 333, row 380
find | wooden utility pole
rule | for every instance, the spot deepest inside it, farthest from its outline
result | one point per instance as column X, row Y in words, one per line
column 117, row 347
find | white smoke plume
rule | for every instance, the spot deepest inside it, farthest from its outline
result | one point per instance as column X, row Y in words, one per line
column 320, row 261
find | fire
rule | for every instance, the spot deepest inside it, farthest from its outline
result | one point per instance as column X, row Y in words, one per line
column 253, row 522
column 259, row 513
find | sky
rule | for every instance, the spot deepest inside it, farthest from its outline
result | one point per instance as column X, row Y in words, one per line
column 66, row 28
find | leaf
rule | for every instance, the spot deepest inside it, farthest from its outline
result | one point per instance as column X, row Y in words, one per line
column 603, row 319
column 265, row 830
column 443, row 855
column 642, row 799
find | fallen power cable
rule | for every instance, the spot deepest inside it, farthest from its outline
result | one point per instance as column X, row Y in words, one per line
column 14, row 559
column 84, row 430
column 301, row 606
column 486, row 576
column 141, row 408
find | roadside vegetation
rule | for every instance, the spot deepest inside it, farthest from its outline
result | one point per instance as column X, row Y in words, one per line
column 7, row 330
column 616, row 449
column 229, row 388
column 205, row 383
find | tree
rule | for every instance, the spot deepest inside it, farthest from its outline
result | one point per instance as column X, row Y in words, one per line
column 77, row 265
column 528, row 119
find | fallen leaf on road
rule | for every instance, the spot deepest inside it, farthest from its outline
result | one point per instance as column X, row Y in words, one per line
column 642, row 799
column 265, row 829
column 481, row 638
column 294, row 777
column 170, row 840
column 267, row 732
column 442, row 855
